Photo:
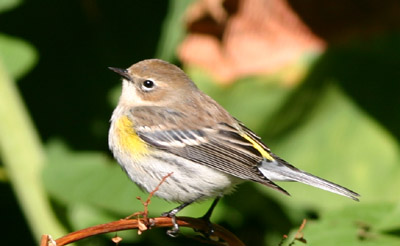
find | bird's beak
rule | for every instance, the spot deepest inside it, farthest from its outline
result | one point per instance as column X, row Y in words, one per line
column 123, row 72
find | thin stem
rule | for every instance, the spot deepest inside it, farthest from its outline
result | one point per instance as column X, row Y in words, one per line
column 23, row 157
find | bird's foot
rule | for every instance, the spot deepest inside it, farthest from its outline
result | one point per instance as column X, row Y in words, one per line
column 174, row 231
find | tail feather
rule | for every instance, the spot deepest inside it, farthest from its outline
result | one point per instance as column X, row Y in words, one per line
column 280, row 170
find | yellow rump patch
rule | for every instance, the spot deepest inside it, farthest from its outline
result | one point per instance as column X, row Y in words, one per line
column 129, row 141
column 260, row 149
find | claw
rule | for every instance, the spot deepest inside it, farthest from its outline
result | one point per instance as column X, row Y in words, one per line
column 174, row 232
column 172, row 214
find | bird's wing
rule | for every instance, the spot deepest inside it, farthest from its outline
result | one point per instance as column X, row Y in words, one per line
column 219, row 145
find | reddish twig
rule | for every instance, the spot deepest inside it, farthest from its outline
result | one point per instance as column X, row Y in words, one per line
column 148, row 200
column 299, row 235
column 142, row 224
column 126, row 224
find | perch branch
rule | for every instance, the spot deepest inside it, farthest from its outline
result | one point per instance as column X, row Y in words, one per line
column 143, row 224
column 126, row 224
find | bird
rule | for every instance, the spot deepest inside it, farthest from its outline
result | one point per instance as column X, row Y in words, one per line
column 164, row 124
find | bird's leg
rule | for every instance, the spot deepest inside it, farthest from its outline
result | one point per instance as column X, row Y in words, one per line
column 172, row 214
column 206, row 217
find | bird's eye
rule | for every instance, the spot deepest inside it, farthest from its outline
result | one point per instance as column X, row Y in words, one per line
column 148, row 84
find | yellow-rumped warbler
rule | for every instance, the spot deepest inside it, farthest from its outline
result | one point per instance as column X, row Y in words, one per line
column 163, row 123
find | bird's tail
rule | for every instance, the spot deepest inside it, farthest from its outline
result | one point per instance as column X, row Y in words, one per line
column 280, row 170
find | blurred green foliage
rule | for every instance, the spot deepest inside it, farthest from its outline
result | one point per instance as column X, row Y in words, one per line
column 341, row 123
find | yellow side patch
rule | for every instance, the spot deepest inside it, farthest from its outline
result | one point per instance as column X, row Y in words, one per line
column 259, row 148
column 128, row 140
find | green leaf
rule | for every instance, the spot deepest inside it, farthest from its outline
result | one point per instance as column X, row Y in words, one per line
column 354, row 225
column 6, row 5
column 339, row 142
column 17, row 55
column 89, row 177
